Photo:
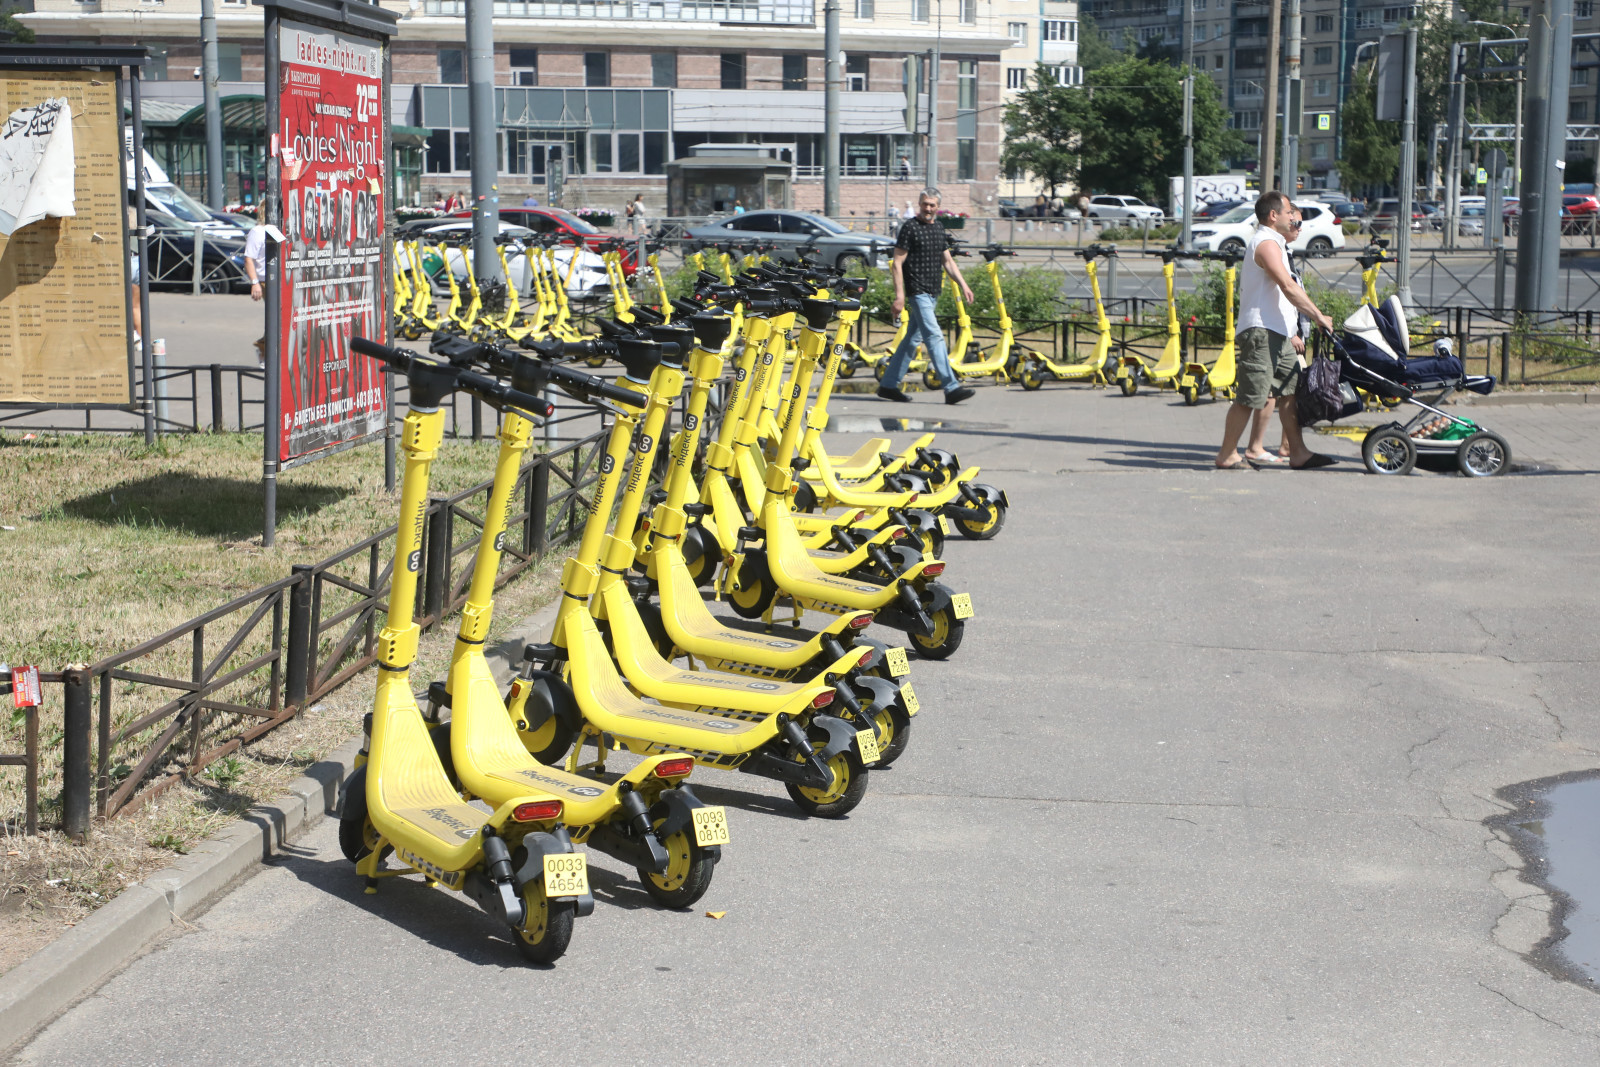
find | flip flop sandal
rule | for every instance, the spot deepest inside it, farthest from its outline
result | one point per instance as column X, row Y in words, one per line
column 1242, row 465
column 1317, row 460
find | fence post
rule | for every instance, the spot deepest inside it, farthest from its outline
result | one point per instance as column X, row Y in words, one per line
column 539, row 508
column 1500, row 279
column 1505, row 358
column 297, row 656
column 216, row 398
column 199, row 259
column 75, row 787
column 477, row 419
column 437, row 564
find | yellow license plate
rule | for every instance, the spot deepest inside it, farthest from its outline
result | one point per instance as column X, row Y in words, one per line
column 909, row 695
column 896, row 658
column 944, row 525
column 867, row 742
column 961, row 603
column 566, row 874
column 710, row 825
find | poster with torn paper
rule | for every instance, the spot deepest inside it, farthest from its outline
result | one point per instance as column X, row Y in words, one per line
column 64, row 278
column 37, row 169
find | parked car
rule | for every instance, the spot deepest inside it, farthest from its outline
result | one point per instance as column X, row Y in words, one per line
column 836, row 245
column 1217, row 209
column 1346, row 209
column 589, row 280
column 561, row 222
column 1121, row 207
column 1008, row 208
column 1320, row 235
column 1385, row 214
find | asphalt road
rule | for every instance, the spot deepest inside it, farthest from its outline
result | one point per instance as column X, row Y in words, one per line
column 1205, row 784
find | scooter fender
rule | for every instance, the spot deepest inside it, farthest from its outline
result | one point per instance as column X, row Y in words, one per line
column 934, row 597
column 883, row 692
column 677, row 805
column 929, row 458
column 539, row 845
column 841, row 735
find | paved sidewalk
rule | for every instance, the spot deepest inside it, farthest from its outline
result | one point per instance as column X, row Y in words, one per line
column 1205, row 784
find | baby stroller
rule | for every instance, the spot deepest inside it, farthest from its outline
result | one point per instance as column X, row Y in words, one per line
column 1373, row 351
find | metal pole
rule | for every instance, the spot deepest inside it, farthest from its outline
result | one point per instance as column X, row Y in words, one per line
column 215, row 196
column 1452, row 187
column 135, row 79
column 1544, row 115
column 1408, row 166
column 933, row 99
column 480, row 112
column 1516, row 141
column 272, row 214
column 830, row 110
column 1292, row 104
column 1269, row 115
column 75, row 779
column 1186, row 209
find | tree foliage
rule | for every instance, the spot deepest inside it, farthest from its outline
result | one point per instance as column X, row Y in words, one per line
column 1122, row 130
column 1371, row 153
column 11, row 29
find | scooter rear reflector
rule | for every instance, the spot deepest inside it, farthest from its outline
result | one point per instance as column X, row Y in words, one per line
column 933, row 570
column 674, row 768
column 897, row 533
column 537, row 811
column 860, row 622
column 822, row 700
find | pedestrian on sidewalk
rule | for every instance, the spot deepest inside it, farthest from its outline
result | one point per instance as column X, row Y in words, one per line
column 255, row 269
column 1269, row 345
column 921, row 260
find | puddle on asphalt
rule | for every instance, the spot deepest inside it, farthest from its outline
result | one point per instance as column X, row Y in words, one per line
column 1556, row 829
column 874, row 424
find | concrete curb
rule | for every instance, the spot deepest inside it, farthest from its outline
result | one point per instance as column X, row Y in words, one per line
column 1498, row 399
column 40, row 988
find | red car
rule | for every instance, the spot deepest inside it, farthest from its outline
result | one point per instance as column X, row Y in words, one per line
column 559, row 221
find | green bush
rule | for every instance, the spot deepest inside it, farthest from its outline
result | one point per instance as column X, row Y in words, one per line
column 1033, row 294
column 1205, row 303
column 1169, row 232
column 1351, row 227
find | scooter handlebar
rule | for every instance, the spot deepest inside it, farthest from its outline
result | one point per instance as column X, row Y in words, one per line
column 466, row 381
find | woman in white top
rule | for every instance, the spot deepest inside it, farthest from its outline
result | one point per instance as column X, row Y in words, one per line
column 1268, row 348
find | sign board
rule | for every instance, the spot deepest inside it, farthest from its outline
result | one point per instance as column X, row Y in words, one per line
column 64, row 277
column 1391, row 101
column 1324, row 121
column 329, row 150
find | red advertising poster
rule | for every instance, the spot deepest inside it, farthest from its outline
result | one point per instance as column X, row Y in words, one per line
column 329, row 146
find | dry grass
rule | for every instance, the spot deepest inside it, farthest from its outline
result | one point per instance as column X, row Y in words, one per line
column 113, row 544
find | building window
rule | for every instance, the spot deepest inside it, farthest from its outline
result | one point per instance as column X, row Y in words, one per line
column 1065, row 75
column 1319, row 150
column 1148, row 34
column 1322, row 55
column 655, row 152
column 599, row 153
column 597, row 69
column 1578, row 111
column 627, row 153
column 864, row 10
column 1199, row 5
column 794, row 71
column 1583, row 9
column 1324, row 23
column 855, row 74
column 1055, row 30
column 919, row 10
column 452, row 67
column 524, row 66
column 1580, row 77
column 1217, row 62
column 969, row 12
column 1393, row 15
column 966, row 159
column 733, row 70
column 155, row 68
column 1321, row 87
column 1245, row 120
column 967, row 85
column 1246, row 87
column 1219, row 31
column 1017, row 31
column 1016, row 77
column 1367, row 20
column 664, row 70
column 230, row 62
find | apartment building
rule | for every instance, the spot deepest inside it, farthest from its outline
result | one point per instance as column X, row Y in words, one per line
column 594, row 99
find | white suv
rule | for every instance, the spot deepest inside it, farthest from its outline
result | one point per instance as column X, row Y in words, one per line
column 1121, row 207
column 1321, row 234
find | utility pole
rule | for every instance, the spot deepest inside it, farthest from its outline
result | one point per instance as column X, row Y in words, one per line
column 830, row 110
column 933, row 99
column 1458, row 122
column 1186, row 209
column 1408, row 165
column 1545, row 119
column 1267, row 139
column 1293, row 117
column 480, row 112
column 215, row 196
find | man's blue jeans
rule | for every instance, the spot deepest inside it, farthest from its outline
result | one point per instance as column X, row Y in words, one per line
column 925, row 327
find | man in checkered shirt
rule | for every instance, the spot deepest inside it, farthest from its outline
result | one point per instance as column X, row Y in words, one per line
column 921, row 260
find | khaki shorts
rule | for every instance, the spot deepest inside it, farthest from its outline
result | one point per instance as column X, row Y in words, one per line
column 1268, row 366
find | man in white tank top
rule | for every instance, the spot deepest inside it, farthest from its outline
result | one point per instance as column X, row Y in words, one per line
column 1268, row 345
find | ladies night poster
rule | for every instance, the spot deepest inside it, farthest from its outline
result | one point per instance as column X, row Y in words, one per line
column 329, row 147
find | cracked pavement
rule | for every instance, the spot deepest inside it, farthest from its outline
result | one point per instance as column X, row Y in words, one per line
column 1206, row 783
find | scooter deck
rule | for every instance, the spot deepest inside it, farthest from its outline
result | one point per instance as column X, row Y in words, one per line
column 411, row 800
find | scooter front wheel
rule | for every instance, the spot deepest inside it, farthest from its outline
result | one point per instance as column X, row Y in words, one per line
column 688, row 873
column 357, row 836
column 930, row 379
column 1029, row 377
column 849, row 787
column 847, row 367
column 546, row 928
column 756, row 589
column 895, row 727
column 1129, row 386
column 1191, row 395
column 983, row 531
column 945, row 638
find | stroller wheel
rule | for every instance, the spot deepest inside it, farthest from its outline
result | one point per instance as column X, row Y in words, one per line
column 1484, row 455
column 1387, row 450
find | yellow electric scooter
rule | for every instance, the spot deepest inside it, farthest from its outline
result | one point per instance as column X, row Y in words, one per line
column 1133, row 368
column 1099, row 364
column 1216, row 380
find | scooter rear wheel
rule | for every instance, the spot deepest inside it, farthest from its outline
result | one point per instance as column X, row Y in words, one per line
column 546, row 928
column 1191, row 395
column 357, row 836
column 688, row 873
column 1029, row 378
column 983, row 531
column 946, row 637
column 847, row 367
column 1129, row 385
column 756, row 589
column 849, row 787
column 930, row 379
column 895, row 726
